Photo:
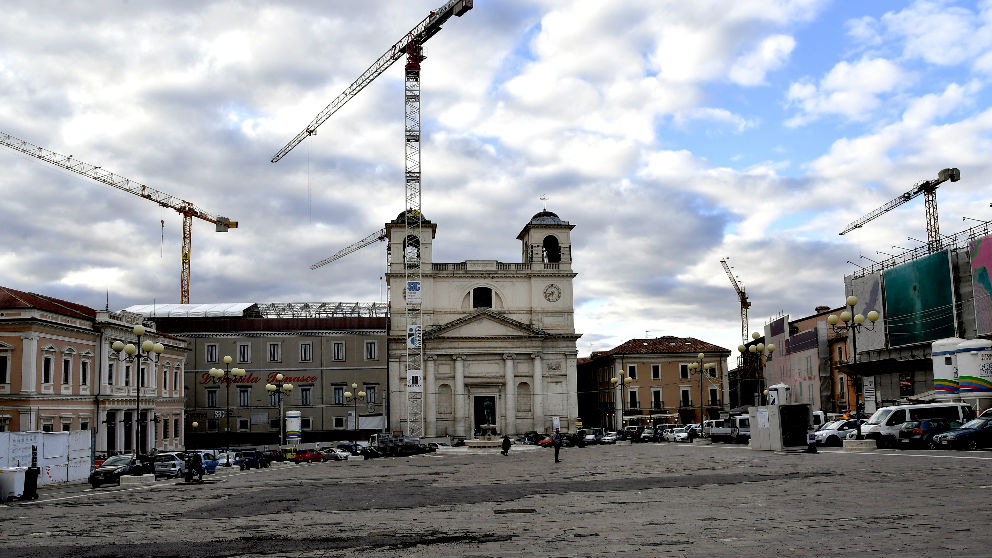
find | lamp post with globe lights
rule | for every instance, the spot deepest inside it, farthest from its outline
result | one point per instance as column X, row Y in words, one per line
column 280, row 388
column 700, row 368
column 848, row 321
column 132, row 353
column 761, row 352
column 620, row 383
column 354, row 396
column 226, row 375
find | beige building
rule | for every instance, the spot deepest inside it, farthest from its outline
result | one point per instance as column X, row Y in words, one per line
column 499, row 339
column 58, row 372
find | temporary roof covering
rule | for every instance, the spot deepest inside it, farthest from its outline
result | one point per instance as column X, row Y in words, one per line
column 218, row 310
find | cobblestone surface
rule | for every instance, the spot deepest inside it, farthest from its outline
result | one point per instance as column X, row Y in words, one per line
column 640, row 500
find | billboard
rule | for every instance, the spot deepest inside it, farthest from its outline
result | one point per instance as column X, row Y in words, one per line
column 919, row 303
column 980, row 254
column 868, row 289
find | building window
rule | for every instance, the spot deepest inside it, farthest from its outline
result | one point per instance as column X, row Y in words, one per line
column 127, row 375
column 632, row 371
column 175, row 426
column 305, row 396
column 141, row 377
column 714, row 396
column 306, row 352
column 712, row 372
column 655, row 371
column 274, row 400
column 338, row 422
column 46, row 370
column 683, row 371
column 656, row 402
column 482, row 297
column 274, row 424
column 110, row 373
column 212, row 425
column 338, row 395
column 244, row 352
column 244, row 395
column 175, row 379
column 306, row 423
column 66, row 426
column 275, row 352
column 211, row 352
column 66, row 370
column 165, row 380
column 84, row 373
column 211, row 398
column 841, row 386
column 165, row 429
column 840, row 354
column 371, row 351
column 685, row 399
column 632, row 397
column 242, row 425
column 4, row 370
column 84, row 425
column 370, row 394
column 48, row 426
column 338, row 350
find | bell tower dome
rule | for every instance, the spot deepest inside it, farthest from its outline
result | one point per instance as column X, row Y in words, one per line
column 546, row 239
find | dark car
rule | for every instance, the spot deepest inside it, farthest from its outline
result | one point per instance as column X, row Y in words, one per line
column 111, row 470
column 250, row 459
column 274, row 455
column 974, row 434
column 920, row 433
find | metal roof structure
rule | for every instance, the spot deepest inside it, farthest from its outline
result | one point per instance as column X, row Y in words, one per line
column 263, row 310
column 218, row 310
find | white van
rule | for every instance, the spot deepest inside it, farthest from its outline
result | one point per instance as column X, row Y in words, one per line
column 884, row 425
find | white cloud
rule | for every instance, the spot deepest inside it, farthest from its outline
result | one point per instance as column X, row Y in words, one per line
column 771, row 54
column 852, row 90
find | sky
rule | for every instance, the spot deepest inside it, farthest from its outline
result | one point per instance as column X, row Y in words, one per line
column 672, row 134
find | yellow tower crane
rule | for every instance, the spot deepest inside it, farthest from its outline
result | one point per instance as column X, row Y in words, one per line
column 187, row 209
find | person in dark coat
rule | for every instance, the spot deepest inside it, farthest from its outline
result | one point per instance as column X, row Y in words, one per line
column 506, row 445
column 556, row 441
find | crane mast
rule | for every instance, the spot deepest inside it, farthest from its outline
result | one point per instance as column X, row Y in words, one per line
column 185, row 208
column 745, row 303
column 411, row 45
column 929, row 190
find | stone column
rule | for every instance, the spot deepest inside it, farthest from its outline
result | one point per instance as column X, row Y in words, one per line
column 430, row 396
column 29, row 363
column 510, row 397
column 459, row 395
column 538, row 393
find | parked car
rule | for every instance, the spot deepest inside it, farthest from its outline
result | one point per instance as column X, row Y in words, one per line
column 337, row 454
column 210, row 461
column 608, row 438
column 169, row 465
column 974, row 434
column 308, row 456
column 648, row 435
column 250, row 459
column 439, row 445
column 545, row 442
column 226, row 458
column 884, row 424
column 833, row 433
column 680, row 435
column 273, row 455
column 111, row 470
column 920, row 433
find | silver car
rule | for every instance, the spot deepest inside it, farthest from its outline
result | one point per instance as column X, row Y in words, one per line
column 169, row 465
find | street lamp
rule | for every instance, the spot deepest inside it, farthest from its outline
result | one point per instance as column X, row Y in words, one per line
column 355, row 396
column 854, row 324
column 133, row 354
column 620, row 383
column 700, row 368
column 279, row 388
column 225, row 376
column 762, row 352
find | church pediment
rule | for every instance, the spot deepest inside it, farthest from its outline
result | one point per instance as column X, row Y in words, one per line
column 485, row 323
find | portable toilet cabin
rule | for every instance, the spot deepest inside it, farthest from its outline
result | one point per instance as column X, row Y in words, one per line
column 944, row 353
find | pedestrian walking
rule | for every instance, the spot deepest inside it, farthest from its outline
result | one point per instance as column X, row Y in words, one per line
column 506, row 445
column 556, row 442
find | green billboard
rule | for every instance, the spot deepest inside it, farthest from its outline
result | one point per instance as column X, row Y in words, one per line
column 919, row 302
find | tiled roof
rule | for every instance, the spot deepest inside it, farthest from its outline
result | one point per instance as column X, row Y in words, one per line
column 11, row 298
column 663, row 345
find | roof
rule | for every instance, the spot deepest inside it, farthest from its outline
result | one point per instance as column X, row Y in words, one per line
column 668, row 344
column 11, row 298
column 547, row 218
column 218, row 310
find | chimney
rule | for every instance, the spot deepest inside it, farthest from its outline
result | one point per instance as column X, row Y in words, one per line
column 821, row 309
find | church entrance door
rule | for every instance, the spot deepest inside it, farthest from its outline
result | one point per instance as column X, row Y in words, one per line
column 484, row 414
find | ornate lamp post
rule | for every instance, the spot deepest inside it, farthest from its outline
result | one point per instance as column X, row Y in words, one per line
column 854, row 325
column 133, row 354
column 620, row 383
column 700, row 368
column 225, row 376
column 761, row 352
column 355, row 397
column 279, row 388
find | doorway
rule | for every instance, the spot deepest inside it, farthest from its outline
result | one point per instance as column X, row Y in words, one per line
column 484, row 413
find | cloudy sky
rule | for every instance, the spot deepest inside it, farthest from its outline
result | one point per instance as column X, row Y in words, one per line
column 671, row 133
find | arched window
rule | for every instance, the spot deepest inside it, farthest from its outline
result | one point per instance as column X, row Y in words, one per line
column 552, row 250
column 482, row 297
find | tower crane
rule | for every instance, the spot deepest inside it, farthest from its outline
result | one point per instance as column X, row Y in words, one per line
column 929, row 190
column 369, row 240
column 187, row 209
column 410, row 45
column 745, row 303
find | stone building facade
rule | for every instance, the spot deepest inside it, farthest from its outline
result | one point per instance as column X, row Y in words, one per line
column 499, row 338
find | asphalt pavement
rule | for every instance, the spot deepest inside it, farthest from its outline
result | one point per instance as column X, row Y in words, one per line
column 652, row 500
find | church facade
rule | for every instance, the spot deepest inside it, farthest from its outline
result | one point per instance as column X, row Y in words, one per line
column 498, row 339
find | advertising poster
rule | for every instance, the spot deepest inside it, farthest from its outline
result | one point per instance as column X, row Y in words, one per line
column 413, row 337
column 980, row 254
column 413, row 295
column 868, row 289
column 919, row 303
column 414, row 381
